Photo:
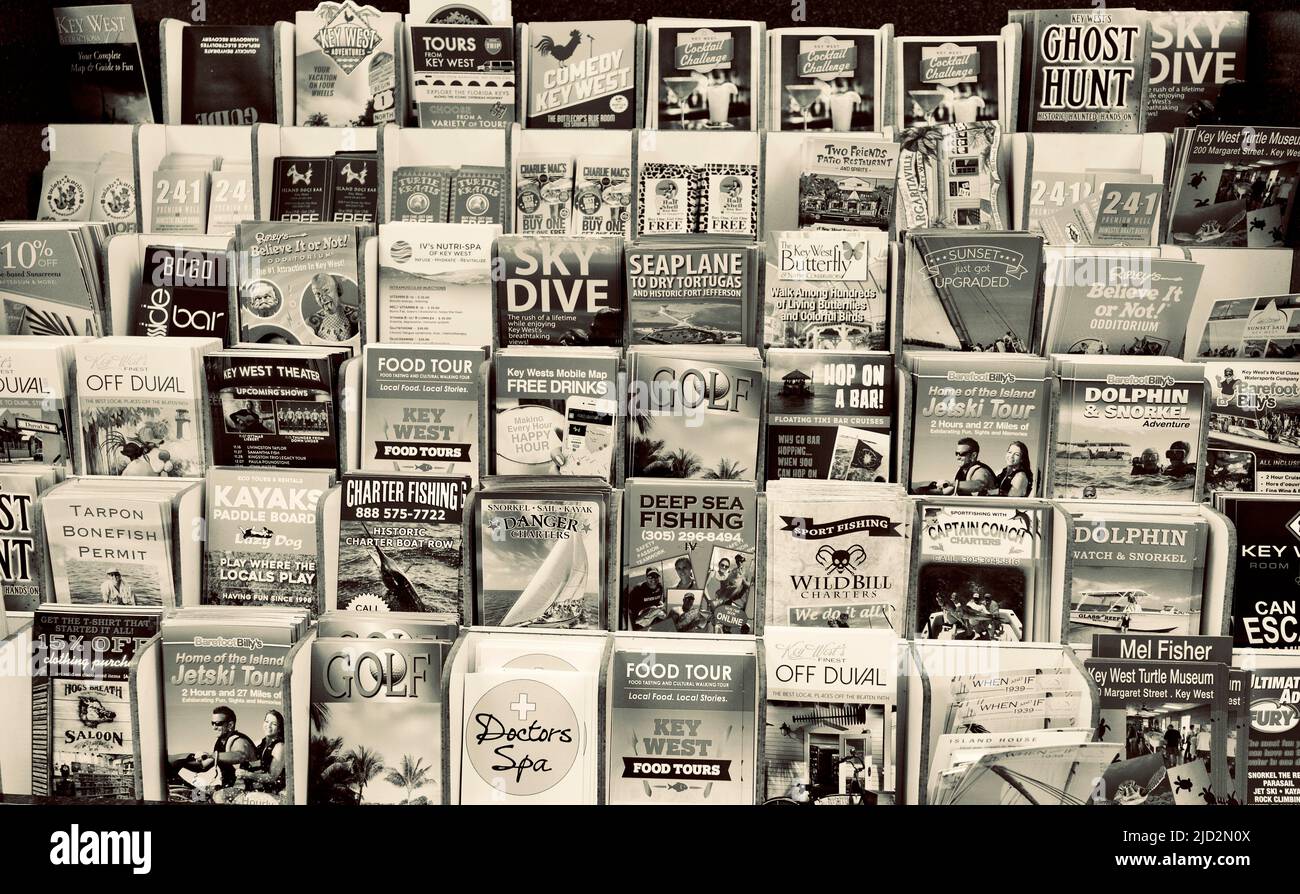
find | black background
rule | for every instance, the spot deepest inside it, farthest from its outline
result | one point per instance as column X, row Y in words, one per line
column 32, row 85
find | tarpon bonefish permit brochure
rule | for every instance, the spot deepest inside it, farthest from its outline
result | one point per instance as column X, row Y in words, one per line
column 581, row 74
column 421, row 409
column 401, row 544
column 830, row 731
column 827, row 79
column 704, row 74
column 682, row 723
column 264, row 542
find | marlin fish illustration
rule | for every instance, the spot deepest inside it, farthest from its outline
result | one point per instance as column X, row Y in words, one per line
column 400, row 589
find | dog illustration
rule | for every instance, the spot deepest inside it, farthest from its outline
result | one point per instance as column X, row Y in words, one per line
column 296, row 178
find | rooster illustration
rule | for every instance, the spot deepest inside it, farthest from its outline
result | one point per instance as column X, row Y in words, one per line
column 561, row 52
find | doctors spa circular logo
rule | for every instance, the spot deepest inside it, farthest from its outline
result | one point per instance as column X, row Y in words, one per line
column 522, row 737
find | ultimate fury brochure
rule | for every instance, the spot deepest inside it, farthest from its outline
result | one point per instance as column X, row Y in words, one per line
column 682, row 722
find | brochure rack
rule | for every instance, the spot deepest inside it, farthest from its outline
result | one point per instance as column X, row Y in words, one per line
column 931, row 666
column 463, row 660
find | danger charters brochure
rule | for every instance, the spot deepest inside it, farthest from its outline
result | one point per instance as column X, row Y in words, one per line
column 682, row 724
column 840, row 558
column 688, row 557
column 103, row 74
column 1135, row 572
column 554, row 290
column 346, row 73
column 385, row 702
column 541, row 548
column 401, row 543
column 1254, row 422
column 264, row 538
column 703, row 74
column 1129, row 431
column 830, row 415
column 581, row 74
column 555, row 411
column 435, row 283
column 827, row 79
column 1193, row 56
column 274, row 408
column 83, row 745
column 830, row 719
column 973, row 292
column 972, row 413
column 1118, row 302
column 420, row 412
column 679, row 294
column 827, row 290
column 1083, row 70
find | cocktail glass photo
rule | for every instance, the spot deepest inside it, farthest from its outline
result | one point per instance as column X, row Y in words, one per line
column 926, row 101
column 804, row 95
column 680, row 91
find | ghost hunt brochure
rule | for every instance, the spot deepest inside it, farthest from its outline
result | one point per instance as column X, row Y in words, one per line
column 421, row 409
column 581, row 74
column 400, row 543
column 689, row 556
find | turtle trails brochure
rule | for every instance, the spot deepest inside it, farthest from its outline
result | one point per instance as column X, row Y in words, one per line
column 140, row 406
column 1254, row 441
column 346, row 68
column 401, row 539
column 1129, row 431
column 421, row 409
column 298, row 284
column 827, row 79
column 689, row 557
column 972, row 412
column 541, row 549
column 225, row 684
column 827, row 290
column 694, row 413
column 1193, row 56
column 83, row 745
column 99, row 52
column 703, row 74
column 980, row 572
column 837, row 555
column 1083, row 70
column 35, row 401
column 435, row 283
column 228, row 74
column 1119, row 303
column 682, row 722
column 830, row 415
column 385, row 702
column 264, row 544
column 1234, row 186
column 684, row 295
column 558, row 291
column 1135, row 572
column 274, row 408
column 555, row 411
column 830, row 731
column 973, row 292
column 1264, row 569
column 581, row 74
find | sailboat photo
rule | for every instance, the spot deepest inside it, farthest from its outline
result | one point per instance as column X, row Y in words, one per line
column 555, row 595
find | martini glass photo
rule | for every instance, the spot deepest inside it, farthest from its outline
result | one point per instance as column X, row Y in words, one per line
column 680, row 91
column 804, row 95
column 718, row 97
column 927, row 101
